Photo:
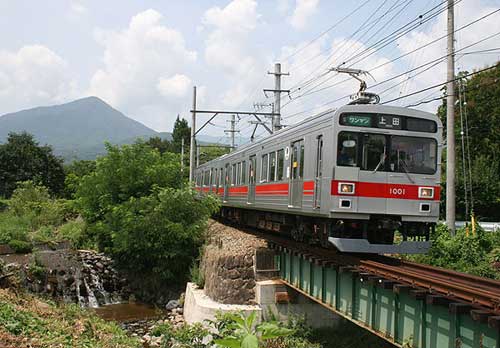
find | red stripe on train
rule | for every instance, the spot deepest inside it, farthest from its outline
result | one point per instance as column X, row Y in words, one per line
column 383, row 190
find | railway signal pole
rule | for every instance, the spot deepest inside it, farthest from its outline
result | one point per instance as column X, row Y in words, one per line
column 276, row 119
column 450, row 123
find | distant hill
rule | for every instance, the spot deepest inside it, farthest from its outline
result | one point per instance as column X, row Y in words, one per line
column 76, row 130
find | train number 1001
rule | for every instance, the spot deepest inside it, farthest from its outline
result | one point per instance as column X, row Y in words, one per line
column 397, row 191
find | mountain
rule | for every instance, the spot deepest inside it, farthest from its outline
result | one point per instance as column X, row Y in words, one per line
column 76, row 130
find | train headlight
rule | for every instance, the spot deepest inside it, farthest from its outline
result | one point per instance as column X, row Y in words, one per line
column 426, row 192
column 346, row 188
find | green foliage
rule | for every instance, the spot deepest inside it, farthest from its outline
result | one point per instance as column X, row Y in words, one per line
column 28, row 321
column 34, row 217
column 74, row 231
column 162, row 145
column 208, row 153
column 125, row 172
column 22, row 159
column 137, row 210
column 21, row 246
column 470, row 254
column 196, row 275
column 75, row 171
column 13, row 227
column 159, row 234
column 243, row 332
column 181, row 131
column 18, row 322
column 482, row 93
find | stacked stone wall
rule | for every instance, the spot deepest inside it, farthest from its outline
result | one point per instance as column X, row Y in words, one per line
column 228, row 265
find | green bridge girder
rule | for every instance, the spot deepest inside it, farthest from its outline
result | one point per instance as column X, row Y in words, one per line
column 398, row 315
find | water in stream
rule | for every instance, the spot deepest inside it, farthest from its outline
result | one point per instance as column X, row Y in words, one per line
column 123, row 312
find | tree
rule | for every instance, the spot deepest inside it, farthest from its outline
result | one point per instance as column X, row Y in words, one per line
column 181, row 131
column 482, row 94
column 23, row 159
column 162, row 145
column 75, row 171
column 140, row 211
column 126, row 172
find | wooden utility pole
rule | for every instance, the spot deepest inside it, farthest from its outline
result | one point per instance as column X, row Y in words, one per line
column 450, row 123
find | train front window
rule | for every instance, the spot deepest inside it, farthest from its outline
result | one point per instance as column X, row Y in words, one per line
column 347, row 154
column 373, row 155
column 413, row 155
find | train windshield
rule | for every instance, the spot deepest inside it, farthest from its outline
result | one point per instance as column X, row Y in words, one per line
column 413, row 155
column 378, row 152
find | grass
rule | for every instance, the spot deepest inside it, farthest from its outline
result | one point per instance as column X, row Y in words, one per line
column 26, row 321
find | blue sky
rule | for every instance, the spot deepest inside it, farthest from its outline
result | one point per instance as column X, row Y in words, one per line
column 143, row 57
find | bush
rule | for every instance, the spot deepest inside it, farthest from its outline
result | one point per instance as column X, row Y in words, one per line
column 13, row 227
column 157, row 235
column 74, row 232
column 196, row 275
column 21, row 246
column 137, row 210
column 462, row 252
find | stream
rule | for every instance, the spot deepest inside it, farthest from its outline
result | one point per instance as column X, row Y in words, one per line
column 124, row 312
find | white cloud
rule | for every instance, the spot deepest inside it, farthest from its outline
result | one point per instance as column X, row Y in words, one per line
column 33, row 76
column 77, row 8
column 175, row 86
column 228, row 48
column 145, row 68
column 304, row 10
column 283, row 6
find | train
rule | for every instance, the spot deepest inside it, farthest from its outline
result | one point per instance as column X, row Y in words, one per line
column 364, row 178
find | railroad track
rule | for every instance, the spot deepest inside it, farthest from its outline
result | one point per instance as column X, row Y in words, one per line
column 482, row 294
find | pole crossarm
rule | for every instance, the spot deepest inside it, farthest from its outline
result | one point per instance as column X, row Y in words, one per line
column 262, row 123
column 210, row 120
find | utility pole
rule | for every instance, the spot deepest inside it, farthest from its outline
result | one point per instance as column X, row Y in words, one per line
column 182, row 155
column 197, row 155
column 276, row 119
column 193, row 138
column 450, row 123
column 232, row 130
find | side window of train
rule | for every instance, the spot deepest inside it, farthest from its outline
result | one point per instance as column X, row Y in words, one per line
column 347, row 150
column 264, row 168
column 233, row 174
column 280, row 164
column 301, row 169
column 244, row 172
column 272, row 166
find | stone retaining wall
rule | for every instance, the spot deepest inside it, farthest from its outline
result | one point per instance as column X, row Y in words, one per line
column 228, row 265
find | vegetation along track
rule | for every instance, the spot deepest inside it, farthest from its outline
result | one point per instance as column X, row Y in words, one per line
column 480, row 293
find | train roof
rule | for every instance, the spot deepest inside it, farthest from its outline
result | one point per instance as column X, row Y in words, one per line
column 326, row 116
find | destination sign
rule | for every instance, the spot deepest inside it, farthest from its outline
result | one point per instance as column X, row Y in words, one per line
column 387, row 121
column 358, row 121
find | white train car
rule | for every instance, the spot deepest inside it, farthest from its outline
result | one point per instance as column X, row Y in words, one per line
column 349, row 177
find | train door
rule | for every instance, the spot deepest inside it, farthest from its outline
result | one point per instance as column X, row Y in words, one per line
column 297, row 174
column 372, row 170
column 251, row 180
column 227, row 184
column 318, row 172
